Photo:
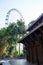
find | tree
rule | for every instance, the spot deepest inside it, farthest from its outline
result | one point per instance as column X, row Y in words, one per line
column 21, row 30
column 21, row 27
column 13, row 32
column 10, row 35
column 31, row 23
column 16, row 31
column 2, row 41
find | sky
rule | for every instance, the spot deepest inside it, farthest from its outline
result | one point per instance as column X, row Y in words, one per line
column 30, row 9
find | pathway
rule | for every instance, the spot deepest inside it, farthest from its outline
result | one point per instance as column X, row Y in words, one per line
column 20, row 62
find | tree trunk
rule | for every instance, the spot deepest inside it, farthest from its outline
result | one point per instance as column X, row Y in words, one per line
column 15, row 50
column 19, row 49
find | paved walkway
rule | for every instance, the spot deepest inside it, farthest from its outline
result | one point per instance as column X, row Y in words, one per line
column 20, row 62
column 15, row 62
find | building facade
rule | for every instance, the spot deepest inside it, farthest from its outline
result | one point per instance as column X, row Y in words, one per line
column 33, row 42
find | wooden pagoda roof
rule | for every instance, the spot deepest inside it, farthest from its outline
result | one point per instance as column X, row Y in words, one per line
column 37, row 29
column 35, row 23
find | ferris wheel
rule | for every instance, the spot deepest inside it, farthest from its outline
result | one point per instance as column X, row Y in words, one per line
column 13, row 10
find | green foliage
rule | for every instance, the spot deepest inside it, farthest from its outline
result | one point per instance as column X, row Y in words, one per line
column 10, row 35
column 21, row 27
column 31, row 23
column 10, row 50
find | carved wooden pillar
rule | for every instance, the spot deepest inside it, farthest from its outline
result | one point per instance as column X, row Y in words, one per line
column 27, row 50
column 32, row 49
column 32, row 55
column 28, row 54
column 37, row 59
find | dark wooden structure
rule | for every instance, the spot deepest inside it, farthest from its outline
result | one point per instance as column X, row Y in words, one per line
column 34, row 42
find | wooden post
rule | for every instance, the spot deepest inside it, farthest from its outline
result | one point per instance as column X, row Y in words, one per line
column 32, row 55
column 37, row 59
column 29, row 55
